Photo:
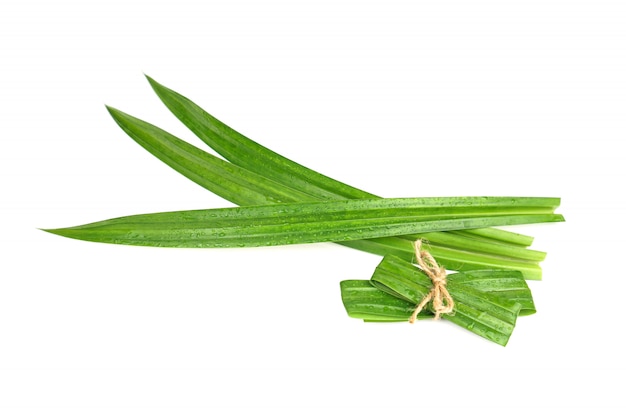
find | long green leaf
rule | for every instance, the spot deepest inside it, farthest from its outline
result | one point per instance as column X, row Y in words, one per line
column 451, row 258
column 247, row 188
column 281, row 224
column 247, row 153
column 244, row 187
column 492, row 243
column 242, row 151
column 229, row 181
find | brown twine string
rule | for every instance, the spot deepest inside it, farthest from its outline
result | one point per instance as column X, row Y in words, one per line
column 442, row 301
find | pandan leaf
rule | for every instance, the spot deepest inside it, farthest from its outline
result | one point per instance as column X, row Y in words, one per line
column 247, row 153
column 282, row 224
column 487, row 303
column 474, row 249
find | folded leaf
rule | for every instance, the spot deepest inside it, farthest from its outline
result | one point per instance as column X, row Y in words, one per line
column 506, row 284
column 486, row 303
column 364, row 301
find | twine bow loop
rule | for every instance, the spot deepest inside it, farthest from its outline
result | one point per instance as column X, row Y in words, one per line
column 442, row 301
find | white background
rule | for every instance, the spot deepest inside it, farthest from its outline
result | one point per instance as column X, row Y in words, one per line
column 415, row 98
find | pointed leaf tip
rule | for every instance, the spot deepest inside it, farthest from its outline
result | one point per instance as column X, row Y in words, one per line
column 156, row 86
column 118, row 115
column 150, row 79
column 52, row 231
column 111, row 110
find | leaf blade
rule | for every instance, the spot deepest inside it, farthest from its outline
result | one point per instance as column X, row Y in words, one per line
column 490, row 316
column 293, row 223
column 229, row 181
column 247, row 153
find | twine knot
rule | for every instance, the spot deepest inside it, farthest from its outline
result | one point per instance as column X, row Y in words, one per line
column 442, row 301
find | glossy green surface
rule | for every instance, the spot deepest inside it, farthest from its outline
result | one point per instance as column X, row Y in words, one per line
column 247, row 153
column 260, row 176
column 229, row 181
column 487, row 302
column 293, row 223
